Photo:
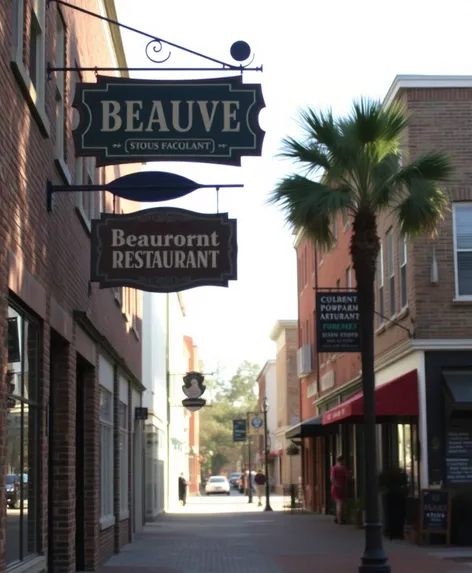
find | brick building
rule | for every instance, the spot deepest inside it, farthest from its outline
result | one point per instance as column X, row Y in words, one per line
column 284, row 333
column 70, row 460
column 423, row 341
column 267, row 388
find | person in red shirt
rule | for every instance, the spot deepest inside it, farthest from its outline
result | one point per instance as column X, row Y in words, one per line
column 339, row 487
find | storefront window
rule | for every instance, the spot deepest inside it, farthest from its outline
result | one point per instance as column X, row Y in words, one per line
column 22, row 478
column 408, row 454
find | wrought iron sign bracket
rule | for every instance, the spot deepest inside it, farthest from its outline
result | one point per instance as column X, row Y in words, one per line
column 51, row 189
column 155, row 52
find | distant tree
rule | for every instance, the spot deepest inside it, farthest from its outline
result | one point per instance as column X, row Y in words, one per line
column 231, row 399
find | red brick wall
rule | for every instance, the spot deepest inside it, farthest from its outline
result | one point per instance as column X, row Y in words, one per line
column 438, row 122
column 332, row 267
column 45, row 259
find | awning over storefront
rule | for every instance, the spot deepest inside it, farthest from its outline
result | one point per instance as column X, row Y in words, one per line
column 307, row 429
column 397, row 398
column 459, row 384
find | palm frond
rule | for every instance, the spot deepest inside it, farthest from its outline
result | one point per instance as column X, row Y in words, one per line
column 431, row 167
column 311, row 206
column 312, row 155
column 422, row 210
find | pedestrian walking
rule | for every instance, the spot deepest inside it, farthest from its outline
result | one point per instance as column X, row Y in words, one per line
column 339, row 488
column 183, row 489
column 259, row 481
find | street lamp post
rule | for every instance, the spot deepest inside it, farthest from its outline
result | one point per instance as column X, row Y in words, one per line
column 266, row 456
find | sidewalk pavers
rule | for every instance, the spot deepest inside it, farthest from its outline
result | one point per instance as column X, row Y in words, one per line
column 202, row 538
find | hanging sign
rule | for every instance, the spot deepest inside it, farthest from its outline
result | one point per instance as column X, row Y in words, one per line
column 125, row 120
column 239, row 430
column 193, row 385
column 337, row 322
column 256, row 425
column 164, row 249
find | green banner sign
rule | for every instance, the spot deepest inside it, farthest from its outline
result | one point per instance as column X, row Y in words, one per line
column 239, row 430
column 126, row 120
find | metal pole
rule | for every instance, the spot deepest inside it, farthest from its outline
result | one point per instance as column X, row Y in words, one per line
column 266, row 460
column 249, row 479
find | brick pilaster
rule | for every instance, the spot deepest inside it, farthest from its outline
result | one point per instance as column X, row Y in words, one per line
column 116, row 459
column 92, row 468
column 63, row 366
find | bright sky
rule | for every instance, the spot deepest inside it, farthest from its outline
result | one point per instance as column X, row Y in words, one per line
column 317, row 53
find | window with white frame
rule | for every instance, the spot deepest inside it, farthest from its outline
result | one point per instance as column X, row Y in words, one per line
column 106, row 457
column 349, row 277
column 391, row 272
column 462, row 213
column 32, row 72
column 124, row 457
column 380, row 287
column 402, row 254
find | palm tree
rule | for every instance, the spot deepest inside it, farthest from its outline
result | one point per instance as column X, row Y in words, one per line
column 353, row 166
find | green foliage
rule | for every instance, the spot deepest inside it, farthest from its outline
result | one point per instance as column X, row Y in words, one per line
column 230, row 399
column 354, row 165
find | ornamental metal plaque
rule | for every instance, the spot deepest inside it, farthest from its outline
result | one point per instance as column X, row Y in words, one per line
column 164, row 249
column 125, row 120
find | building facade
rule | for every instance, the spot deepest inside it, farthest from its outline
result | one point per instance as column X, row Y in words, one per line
column 285, row 335
column 155, row 360
column 179, row 417
column 267, row 388
column 424, row 325
column 71, row 457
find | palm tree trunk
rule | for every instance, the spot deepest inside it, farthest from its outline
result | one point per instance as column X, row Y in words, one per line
column 364, row 252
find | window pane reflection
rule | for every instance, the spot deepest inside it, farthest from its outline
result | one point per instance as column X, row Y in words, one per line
column 22, row 438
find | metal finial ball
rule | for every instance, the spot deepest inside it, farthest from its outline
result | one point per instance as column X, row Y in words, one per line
column 240, row 51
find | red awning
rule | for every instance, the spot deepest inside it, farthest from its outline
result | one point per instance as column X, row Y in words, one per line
column 396, row 398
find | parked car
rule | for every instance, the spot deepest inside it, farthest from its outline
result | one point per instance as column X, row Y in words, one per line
column 234, row 478
column 217, row 484
column 13, row 490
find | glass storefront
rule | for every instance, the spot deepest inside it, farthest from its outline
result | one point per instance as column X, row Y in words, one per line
column 22, row 479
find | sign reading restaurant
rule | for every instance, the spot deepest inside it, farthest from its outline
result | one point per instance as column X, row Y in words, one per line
column 337, row 322
column 126, row 120
column 164, row 249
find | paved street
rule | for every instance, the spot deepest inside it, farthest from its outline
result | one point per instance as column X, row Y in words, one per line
column 228, row 535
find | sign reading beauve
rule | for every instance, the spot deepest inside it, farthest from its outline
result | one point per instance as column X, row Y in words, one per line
column 126, row 120
column 337, row 322
column 164, row 250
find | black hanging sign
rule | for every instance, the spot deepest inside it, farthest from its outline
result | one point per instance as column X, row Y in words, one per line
column 337, row 321
column 125, row 120
column 163, row 250
column 140, row 413
column 239, row 430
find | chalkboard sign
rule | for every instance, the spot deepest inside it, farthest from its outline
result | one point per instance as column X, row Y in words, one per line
column 435, row 512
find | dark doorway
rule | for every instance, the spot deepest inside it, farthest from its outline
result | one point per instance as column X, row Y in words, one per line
column 79, row 469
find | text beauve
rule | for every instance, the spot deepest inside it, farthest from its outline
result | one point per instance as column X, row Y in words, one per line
column 165, row 251
column 174, row 116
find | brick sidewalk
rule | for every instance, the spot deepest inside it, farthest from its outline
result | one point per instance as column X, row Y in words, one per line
column 258, row 542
